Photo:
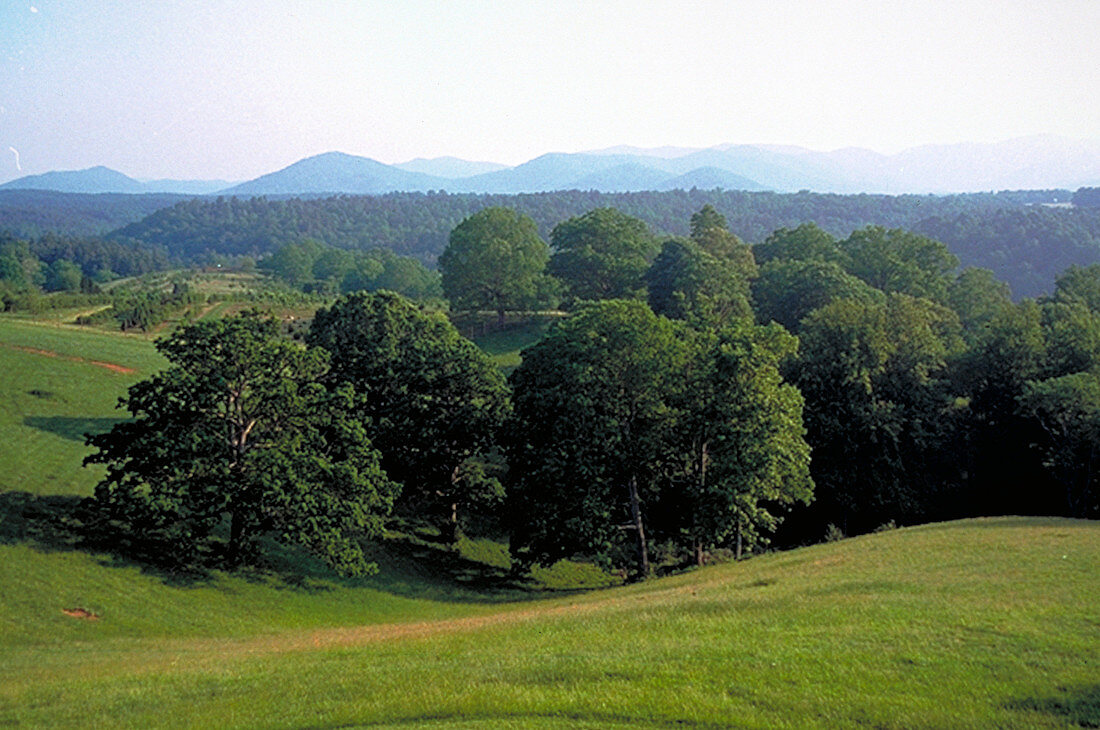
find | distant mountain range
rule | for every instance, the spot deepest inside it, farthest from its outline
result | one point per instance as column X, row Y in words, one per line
column 102, row 179
column 1041, row 162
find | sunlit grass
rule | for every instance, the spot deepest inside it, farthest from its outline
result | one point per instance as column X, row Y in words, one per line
column 986, row 623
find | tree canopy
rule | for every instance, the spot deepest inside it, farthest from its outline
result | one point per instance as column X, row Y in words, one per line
column 495, row 260
column 602, row 254
column 431, row 399
column 238, row 428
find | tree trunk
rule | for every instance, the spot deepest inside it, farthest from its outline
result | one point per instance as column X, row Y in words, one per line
column 500, row 319
column 636, row 513
column 738, row 538
column 703, row 459
column 449, row 533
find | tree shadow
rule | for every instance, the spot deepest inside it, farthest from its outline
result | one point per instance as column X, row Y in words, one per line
column 65, row 523
column 72, row 428
column 1079, row 706
column 413, row 562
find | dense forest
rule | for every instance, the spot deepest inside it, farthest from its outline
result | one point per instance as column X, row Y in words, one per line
column 1024, row 237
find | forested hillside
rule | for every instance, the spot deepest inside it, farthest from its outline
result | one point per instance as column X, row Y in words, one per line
column 417, row 224
column 27, row 213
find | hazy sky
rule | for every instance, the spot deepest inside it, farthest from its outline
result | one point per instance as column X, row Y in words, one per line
column 234, row 89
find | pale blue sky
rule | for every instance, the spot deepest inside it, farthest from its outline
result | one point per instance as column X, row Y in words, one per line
column 234, row 89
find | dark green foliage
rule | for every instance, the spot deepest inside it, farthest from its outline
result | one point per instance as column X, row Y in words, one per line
column 740, row 440
column 589, row 433
column 1068, row 410
column 238, row 429
column 685, row 282
column 878, row 407
column 495, row 260
column 1026, row 247
column 602, row 254
column 1087, row 198
column 789, row 289
column 432, row 401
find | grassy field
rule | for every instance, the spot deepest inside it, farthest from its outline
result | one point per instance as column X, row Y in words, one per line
column 987, row 623
column 58, row 383
column 982, row 623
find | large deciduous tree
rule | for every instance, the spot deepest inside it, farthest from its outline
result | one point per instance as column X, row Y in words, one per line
column 495, row 260
column 589, row 434
column 878, row 406
column 685, row 282
column 431, row 399
column 602, row 254
column 740, row 438
column 238, row 429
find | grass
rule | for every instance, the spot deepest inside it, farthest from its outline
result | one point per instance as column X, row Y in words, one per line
column 58, row 384
column 504, row 345
column 984, row 623
column 981, row 623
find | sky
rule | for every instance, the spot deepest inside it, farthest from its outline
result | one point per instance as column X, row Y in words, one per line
column 237, row 88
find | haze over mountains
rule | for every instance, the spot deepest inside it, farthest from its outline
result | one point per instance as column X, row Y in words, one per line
column 1040, row 162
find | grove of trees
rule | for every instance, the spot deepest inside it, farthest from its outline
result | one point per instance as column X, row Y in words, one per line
column 700, row 394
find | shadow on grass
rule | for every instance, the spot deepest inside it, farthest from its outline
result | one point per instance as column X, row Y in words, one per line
column 60, row 523
column 1079, row 706
column 412, row 562
column 73, row 429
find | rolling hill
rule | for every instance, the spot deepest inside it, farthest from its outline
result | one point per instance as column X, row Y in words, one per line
column 977, row 623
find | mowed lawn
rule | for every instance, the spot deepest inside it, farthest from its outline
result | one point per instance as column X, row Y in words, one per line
column 979, row 623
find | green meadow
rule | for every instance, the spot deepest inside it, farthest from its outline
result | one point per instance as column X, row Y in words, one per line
column 972, row 624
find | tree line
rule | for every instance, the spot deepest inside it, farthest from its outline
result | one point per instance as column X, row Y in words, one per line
column 1024, row 243
column 702, row 395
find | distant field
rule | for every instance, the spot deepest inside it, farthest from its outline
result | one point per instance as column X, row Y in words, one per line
column 981, row 623
column 58, row 383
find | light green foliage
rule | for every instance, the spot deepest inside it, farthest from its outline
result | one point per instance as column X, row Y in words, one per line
column 315, row 267
column 63, row 275
column 806, row 243
column 602, row 254
column 1079, row 284
column 238, row 427
column 495, row 260
column 896, row 260
column 977, row 296
column 431, row 400
column 1072, row 335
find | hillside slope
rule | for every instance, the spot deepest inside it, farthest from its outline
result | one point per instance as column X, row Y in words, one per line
column 978, row 623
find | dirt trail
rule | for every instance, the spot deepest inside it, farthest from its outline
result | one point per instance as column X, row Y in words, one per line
column 353, row 636
column 113, row 367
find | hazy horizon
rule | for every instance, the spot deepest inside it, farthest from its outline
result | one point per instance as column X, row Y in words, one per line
column 220, row 90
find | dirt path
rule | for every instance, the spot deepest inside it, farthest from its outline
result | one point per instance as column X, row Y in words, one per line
column 113, row 367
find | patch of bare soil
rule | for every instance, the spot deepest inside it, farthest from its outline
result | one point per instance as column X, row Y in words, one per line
column 98, row 363
column 81, row 613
